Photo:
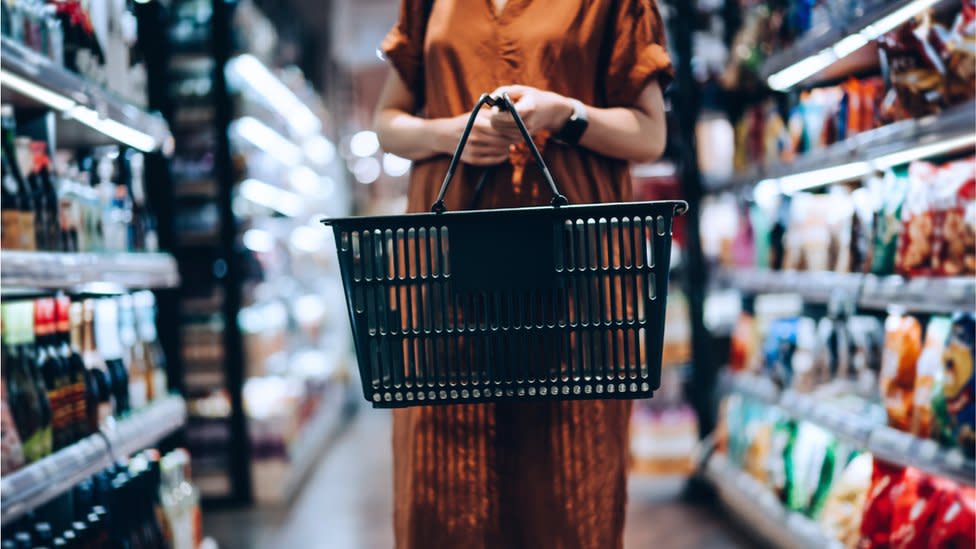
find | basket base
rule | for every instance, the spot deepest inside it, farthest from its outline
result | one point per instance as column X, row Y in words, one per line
column 459, row 395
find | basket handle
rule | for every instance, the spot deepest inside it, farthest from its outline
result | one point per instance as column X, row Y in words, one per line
column 504, row 103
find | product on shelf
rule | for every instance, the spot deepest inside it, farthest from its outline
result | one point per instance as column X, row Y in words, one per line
column 960, row 55
column 903, row 344
column 18, row 228
column 146, row 502
column 844, row 506
column 954, row 219
column 28, row 401
column 956, row 414
column 929, row 377
column 11, row 448
column 76, row 378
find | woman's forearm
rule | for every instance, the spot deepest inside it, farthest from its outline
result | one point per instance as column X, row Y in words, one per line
column 410, row 136
column 625, row 133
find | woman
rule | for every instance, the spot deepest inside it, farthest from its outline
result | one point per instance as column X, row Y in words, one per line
column 588, row 74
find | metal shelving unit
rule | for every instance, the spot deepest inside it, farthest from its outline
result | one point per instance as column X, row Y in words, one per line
column 31, row 80
column 833, row 51
column 760, row 509
column 952, row 126
column 928, row 295
column 44, row 480
column 883, row 441
column 80, row 271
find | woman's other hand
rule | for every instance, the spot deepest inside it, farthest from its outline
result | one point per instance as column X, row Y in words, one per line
column 486, row 145
column 540, row 110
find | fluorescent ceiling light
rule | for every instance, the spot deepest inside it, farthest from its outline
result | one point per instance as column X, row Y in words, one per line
column 52, row 99
column 280, row 200
column 261, row 136
column 247, row 69
column 809, row 66
column 258, row 240
column 364, row 143
column 790, row 184
column 116, row 130
column 924, row 151
column 366, row 170
column 319, row 150
column 394, row 165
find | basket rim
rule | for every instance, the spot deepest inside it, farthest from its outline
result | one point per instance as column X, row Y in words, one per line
column 680, row 207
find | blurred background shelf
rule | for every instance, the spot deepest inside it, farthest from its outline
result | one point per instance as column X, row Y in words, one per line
column 880, row 293
column 896, row 143
column 32, row 80
column 761, row 511
column 882, row 441
column 96, row 271
column 42, row 481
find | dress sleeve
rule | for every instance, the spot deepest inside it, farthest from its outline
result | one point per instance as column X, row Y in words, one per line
column 403, row 46
column 638, row 52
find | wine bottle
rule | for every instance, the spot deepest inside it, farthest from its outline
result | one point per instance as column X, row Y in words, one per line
column 107, row 341
column 24, row 401
column 16, row 164
column 11, row 448
column 52, row 370
column 99, row 384
column 133, row 354
column 25, row 159
column 51, row 226
column 30, row 350
column 157, row 383
column 69, row 347
column 10, row 207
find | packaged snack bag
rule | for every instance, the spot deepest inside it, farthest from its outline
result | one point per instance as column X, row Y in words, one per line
column 956, row 416
column 929, row 375
column 960, row 58
column 916, row 71
column 778, row 349
column 779, row 464
column 903, row 344
column 955, row 523
column 879, row 506
column 742, row 343
column 887, row 221
column 916, row 238
column 867, row 344
column 812, row 460
column 844, row 506
column 954, row 219
column 914, row 509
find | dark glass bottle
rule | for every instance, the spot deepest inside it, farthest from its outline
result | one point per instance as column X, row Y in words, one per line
column 99, row 383
column 8, row 544
column 15, row 162
column 52, row 369
column 25, row 160
column 10, row 206
column 25, row 404
column 98, row 535
column 43, row 534
column 30, row 350
column 110, row 349
column 50, row 226
column 24, row 540
column 69, row 347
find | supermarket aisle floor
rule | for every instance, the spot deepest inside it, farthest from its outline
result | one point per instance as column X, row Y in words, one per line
column 346, row 504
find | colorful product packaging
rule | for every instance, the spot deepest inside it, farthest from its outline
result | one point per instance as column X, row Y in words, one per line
column 903, row 344
column 956, row 416
column 929, row 374
column 914, row 256
column 954, row 219
column 887, row 220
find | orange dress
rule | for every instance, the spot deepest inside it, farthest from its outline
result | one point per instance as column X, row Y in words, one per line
column 538, row 474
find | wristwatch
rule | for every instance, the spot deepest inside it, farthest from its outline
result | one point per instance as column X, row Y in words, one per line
column 572, row 131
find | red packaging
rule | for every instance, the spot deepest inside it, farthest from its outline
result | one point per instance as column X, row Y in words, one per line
column 955, row 524
column 915, row 241
column 915, row 509
column 879, row 506
column 954, row 219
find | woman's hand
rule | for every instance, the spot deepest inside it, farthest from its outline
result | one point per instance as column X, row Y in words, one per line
column 486, row 145
column 540, row 110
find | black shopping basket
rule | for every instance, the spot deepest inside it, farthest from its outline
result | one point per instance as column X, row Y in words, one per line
column 559, row 301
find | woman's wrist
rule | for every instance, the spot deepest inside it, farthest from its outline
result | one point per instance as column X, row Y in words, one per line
column 446, row 133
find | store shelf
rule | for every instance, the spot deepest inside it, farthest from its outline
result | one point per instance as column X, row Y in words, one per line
column 942, row 295
column 307, row 449
column 81, row 271
column 33, row 81
column 761, row 511
column 832, row 51
column 52, row 476
column 893, row 144
column 919, row 295
column 859, row 430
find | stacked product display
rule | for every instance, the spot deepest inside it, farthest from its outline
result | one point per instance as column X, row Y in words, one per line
column 847, row 231
column 261, row 316
column 85, row 380
column 146, row 502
